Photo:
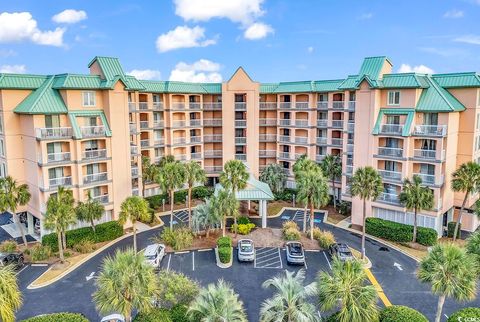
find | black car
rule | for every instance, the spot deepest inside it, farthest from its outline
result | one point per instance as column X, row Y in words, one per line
column 15, row 259
column 341, row 251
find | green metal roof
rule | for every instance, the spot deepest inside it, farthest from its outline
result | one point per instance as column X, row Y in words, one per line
column 72, row 115
column 349, row 83
column 471, row 79
column 409, row 112
column 268, row 88
column 74, row 81
column 437, row 99
column 255, row 190
column 181, row 87
column 213, row 88
column 110, row 66
column 133, row 83
column 43, row 100
column 404, row 80
column 372, row 66
column 21, row 81
column 295, row 87
column 327, row 85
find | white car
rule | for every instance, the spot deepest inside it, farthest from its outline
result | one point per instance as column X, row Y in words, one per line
column 114, row 318
column 246, row 250
column 154, row 254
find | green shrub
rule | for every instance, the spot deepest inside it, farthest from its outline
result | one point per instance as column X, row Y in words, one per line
column 59, row 317
column 178, row 313
column 175, row 289
column 291, row 234
column 84, row 246
column 202, row 192
column 224, row 242
column 178, row 238
column 8, row 246
column 289, row 224
column 400, row 313
column 465, row 314
column 224, row 254
column 242, row 229
column 451, row 229
column 104, row 232
column 332, row 318
column 325, row 238
column 154, row 315
column 156, row 202
column 40, row 253
column 399, row 232
column 345, row 208
column 286, row 194
column 180, row 196
column 243, row 220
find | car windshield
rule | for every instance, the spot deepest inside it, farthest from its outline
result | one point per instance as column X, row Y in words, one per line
column 246, row 247
column 345, row 254
column 150, row 257
column 295, row 249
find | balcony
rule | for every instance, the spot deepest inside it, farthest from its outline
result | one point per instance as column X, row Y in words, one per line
column 158, row 106
column 267, row 153
column 299, row 155
column 338, row 105
column 180, row 157
column 351, row 105
column 322, row 105
column 337, row 142
column 240, row 140
column 213, row 153
column 92, row 131
column 143, row 125
column 96, row 154
column 145, row 143
column 212, row 106
column 135, row 192
column 284, row 122
column 194, row 106
column 159, row 141
column 213, row 169
column 212, row 138
column 390, row 175
column 267, row 137
column 338, row 124
column 350, row 147
column 241, row 157
column 429, row 154
column 195, row 123
column 179, row 123
column 430, row 179
column 322, row 122
column 158, row 123
column 143, row 106
column 61, row 181
column 268, row 122
column 103, row 199
column 133, row 128
column 178, row 106
column 95, row 177
column 319, row 157
column 53, row 133
column 240, row 106
column 179, row 140
column 196, row 155
column 349, row 169
column 322, row 141
column 350, row 126
column 132, row 106
column 395, row 129
column 284, row 138
column 301, row 105
column 288, row 172
column 285, row 105
column 240, row 123
column 301, row 140
column 195, row 139
column 268, row 105
column 390, row 198
column 57, row 157
column 301, row 123
column 133, row 149
column 284, row 155
column 134, row 171
column 212, row 122
column 430, row 130
column 390, row 152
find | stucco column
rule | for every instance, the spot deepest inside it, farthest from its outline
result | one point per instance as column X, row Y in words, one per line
column 30, row 223
column 248, row 204
column 264, row 213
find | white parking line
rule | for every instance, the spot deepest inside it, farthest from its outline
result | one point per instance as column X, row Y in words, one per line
column 169, row 258
column 184, row 252
column 193, row 260
column 280, row 256
column 38, row 265
column 205, row 250
column 24, row 267
column 328, row 262
column 268, row 258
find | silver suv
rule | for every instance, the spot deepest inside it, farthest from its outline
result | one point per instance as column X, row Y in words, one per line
column 246, row 250
column 295, row 253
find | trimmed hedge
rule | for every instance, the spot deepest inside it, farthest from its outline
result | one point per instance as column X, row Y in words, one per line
column 58, row 317
column 224, row 245
column 104, row 232
column 401, row 233
column 224, row 242
column 451, row 229
column 400, row 313
column 153, row 315
column 466, row 314
column 200, row 192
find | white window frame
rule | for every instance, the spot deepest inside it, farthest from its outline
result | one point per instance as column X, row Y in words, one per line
column 2, row 148
column 89, row 99
column 393, row 94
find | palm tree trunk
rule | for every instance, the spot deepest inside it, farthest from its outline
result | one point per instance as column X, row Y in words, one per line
column 93, row 225
column 312, row 220
column 438, row 315
column 414, row 225
column 19, row 225
column 64, row 240
column 172, row 199
column 305, row 219
column 235, row 216
column 134, row 238
column 207, row 228
column 363, row 227
column 334, row 195
column 459, row 219
column 189, row 207
column 60, row 246
column 224, row 224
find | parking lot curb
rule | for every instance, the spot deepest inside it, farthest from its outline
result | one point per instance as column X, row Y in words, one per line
column 219, row 263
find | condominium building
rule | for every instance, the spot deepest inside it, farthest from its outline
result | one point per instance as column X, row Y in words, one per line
column 89, row 132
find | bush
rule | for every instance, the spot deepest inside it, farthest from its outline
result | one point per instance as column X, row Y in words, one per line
column 224, row 254
column 179, row 238
column 325, row 238
column 243, row 220
column 345, row 208
column 224, row 242
column 202, row 192
column 40, row 253
column 289, row 224
column 154, row 315
column 104, row 232
column 291, row 234
column 84, row 246
column 178, row 313
column 175, row 289
column 286, row 194
column 451, row 229
column 59, row 317
column 180, row 196
column 243, row 229
column 399, row 232
column 8, row 246
column 155, row 202
column 465, row 314
column 400, row 313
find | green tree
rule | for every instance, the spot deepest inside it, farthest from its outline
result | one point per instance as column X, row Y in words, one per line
column 224, row 205
column 134, row 209
column 166, row 159
column 175, row 289
column 290, row 301
column 302, row 165
column 216, row 303
column 127, row 282
column 313, row 191
column 465, row 179
column 149, row 172
column 13, row 195
column 473, row 247
column 274, row 176
column 194, row 174
column 205, row 217
column 448, row 268
column 90, row 210
column 416, row 197
column 234, row 177
column 367, row 185
column 347, row 287
column 332, row 168
column 171, row 177
column 10, row 295
column 60, row 215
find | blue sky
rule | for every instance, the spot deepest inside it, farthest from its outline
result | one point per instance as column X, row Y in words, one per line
column 206, row 40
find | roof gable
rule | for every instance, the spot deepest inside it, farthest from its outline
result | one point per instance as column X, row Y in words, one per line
column 471, row 79
column 437, row 99
column 43, row 100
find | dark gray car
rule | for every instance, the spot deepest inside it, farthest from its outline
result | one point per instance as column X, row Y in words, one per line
column 340, row 251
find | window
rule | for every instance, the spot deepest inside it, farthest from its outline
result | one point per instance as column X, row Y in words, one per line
column 430, row 119
column 3, row 170
column 393, row 98
column 55, row 147
column 352, row 96
column 322, row 97
column 156, row 98
column 393, row 119
column 52, row 121
column 2, row 148
column 91, row 145
column 88, row 98
column 54, row 173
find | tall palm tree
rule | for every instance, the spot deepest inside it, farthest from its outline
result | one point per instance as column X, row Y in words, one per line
column 126, row 283
column 234, row 177
column 224, row 205
column 300, row 166
column 465, row 179
column 367, row 185
column 347, row 287
column 448, row 268
column 194, row 174
column 416, row 197
column 13, row 195
column 204, row 217
column 332, row 168
column 60, row 215
column 217, row 302
column 149, row 172
column 171, row 177
column 166, row 159
column 90, row 210
column 290, row 302
column 134, row 209
column 473, row 247
column 313, row 191
column 10, row 295
column 274, row 176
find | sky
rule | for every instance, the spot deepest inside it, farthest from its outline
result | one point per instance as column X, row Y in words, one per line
column 207, row 40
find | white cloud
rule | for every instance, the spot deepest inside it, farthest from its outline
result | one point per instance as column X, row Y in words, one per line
column 365, row 16
column 468, row 39
column 201, row 71
column 454, row 14
column 422, row 69
column 14, row 69
column 257, row 30
column 4, row 53
column 145, row 74
column 20, row 26
column 310, row 49
column 70, row 16
column 183, row 37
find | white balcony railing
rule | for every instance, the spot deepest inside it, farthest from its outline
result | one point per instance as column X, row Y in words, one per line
column 337, row 142
column 319, row 157
column 240, row 123
column 159, row 141
column 97, row 154
column 322, row 105
column 212, row 138
column 143, row 106
column 212, row 106
column 179, row 123
column 213, row 169
column 322, row 123
column 178, row 106
column 144, row 143
column 240, row 106
column 301, row 140
column 194, row 105
column 430, row 179
column 349, row 169
column 390, row 152
column 338, row 105
column 240, row 140
column 301, row 123
column 268, row 122
column 132, row 106
column 195, row 139
column 103, row 199
column 213, row 153
column 58, row 157
column 179, row 140
column 429, row 154
column 350, row 126
column 241, row 157
column 134, row 171
column 158, row 106
column 144, row 124
column 53, row 133
column 390, row 175
column 60, row 181
column 321, row 140
column 133, row 149
column 284, row 155
column 284, row 138
column 351, row 105
column 196, row 155
column 391, row 129
column 135, row 192
column 285, row 105
column 267, row 153
column 301, row 105
column 430, row 130
column 92, row 131
column 181, row 157
column 337, row 124
column 391, row 198
column 133, row 128
column 284, row 122
column 195, row 122
column 349, row 147
column 268, row 105
column 95, row 177
column 158, row 123
column 268, row 137
column 212, row 122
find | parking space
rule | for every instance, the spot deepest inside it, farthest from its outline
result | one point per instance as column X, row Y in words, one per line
column 268, row 257
column 180, row 217
column 297, row 216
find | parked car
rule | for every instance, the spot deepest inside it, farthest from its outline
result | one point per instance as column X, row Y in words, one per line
column 15, row 259
column 341, row 251
column 295, row 253
column 114, row 318
column 246, row 250
column 154, row 254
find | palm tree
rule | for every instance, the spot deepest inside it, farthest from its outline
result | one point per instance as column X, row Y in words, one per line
column 465, row 179
column 13, row 195
column 367, row 185
column 290, row 302
column 217, row 302
column 347, row 287
column 60, row 215
column 332, row 168
column 274, row 176
column 149, row 171
column 194, row 174
column 90, row 210
column 134, row 209
column 127, row 282
column 171, row 177
column 448, row 268
column 10, row 295
column 313, row 191
column 166, row 159
column 300, row 166
column 473, row 247
column 234, row 177
column 417, row 197
column 224, row 205
column 204, row 217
